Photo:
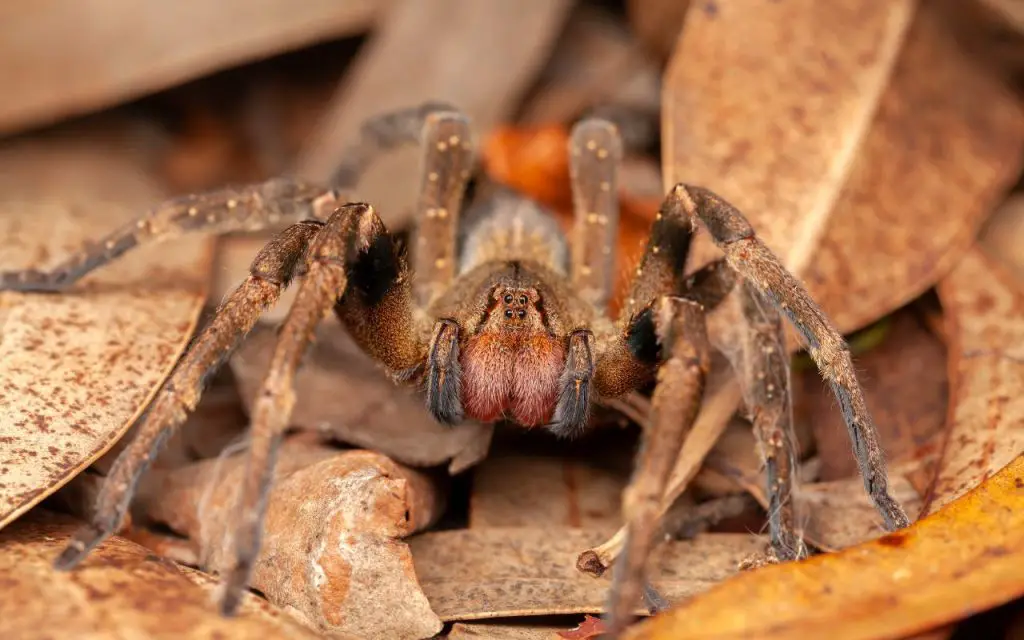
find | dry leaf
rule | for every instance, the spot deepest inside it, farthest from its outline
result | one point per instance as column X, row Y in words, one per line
column 1003, row 235
column 54, row 67
column 535, row 491
column 984, row 309
column 344, row 395
column 947, row 141
column 120, row 591
column 657, row 23
column 596, row 62
column 905, row 385
column 331, row 551
column 473, row 574
column 507, row 631
column 77, row 368
column 589, row 629
column 481, row 63
column 965, row 558
column 767, row 103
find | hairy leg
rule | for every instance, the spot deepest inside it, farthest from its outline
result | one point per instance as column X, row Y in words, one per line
column 595, row 151
column 444, row 373
column 324, row 279
column 447, row 160
column 764, row 375
column 270, row 273
column 676, row 400
column 244, row 208
column 572, row 412
column 757, row 264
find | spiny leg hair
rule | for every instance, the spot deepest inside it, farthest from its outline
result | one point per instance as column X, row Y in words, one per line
column 244, row 208
column 756, row 263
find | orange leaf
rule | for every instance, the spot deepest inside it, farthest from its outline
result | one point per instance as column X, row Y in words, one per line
column 963, row 559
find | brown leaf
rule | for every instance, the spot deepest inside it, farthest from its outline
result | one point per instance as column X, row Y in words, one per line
column 1003, row 235
column 343, row 394
column 985, row 312
column 331, row 550
column 473, row 574
column 120, row 591
column 76, row 369
column 534, row 491
column 481, row 62
column 596, row 62
column 512, row 630
column 965, row 558
column 905, row 386
column 947, row 141
column 590, row 628
column 767, row 102
column 55, row 68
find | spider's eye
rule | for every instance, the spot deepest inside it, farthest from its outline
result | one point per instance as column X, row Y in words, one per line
column 508, row 313
column 522, row 314
column 522, row 299
column 508, row 298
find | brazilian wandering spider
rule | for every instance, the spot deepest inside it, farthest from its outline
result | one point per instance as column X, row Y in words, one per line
column 495, row 316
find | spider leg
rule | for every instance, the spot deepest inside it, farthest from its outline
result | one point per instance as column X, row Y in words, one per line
column 244, row 208
column 676, row 400
column 270, row 273
column 347, row 235
column 448, row 157
column 444, row 373
column 765, row 377
column 756, row 263
column 595, row 150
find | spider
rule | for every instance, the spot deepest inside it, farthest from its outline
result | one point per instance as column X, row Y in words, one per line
column 494, row 314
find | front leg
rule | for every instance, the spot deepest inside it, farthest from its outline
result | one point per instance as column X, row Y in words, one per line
column 756, row 263
column 681, row 331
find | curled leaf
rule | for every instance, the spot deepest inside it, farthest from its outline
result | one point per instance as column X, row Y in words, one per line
column 965, row 558
column 331, row 550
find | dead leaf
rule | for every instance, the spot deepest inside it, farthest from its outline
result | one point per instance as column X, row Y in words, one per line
column 76, row 369
column 947, row 141
column 511, row 630
column 120, row 591
column 331, row 552
column 115, row 60
column 905, row 386
column 767, row 103
column 474, row 574
column 963, row 559
column 657, row 23
column 1003, row 235
column 481, row 63
column 596, row 62
column 535, row 491
column 344, row 395
column 590, row 628
column 984, row 309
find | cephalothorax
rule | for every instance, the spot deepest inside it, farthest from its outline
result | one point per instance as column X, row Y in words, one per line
column 495, row 314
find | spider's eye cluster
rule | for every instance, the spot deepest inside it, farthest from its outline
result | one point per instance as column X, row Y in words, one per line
column 510, row 313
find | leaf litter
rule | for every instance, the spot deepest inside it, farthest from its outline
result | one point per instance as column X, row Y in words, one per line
column 77, row 369
column 332, row 551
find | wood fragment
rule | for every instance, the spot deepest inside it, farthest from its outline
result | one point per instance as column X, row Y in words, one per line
column 332, row 552
column 77, row 369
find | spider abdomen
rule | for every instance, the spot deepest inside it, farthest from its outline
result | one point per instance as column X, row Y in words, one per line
column 512, row 374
